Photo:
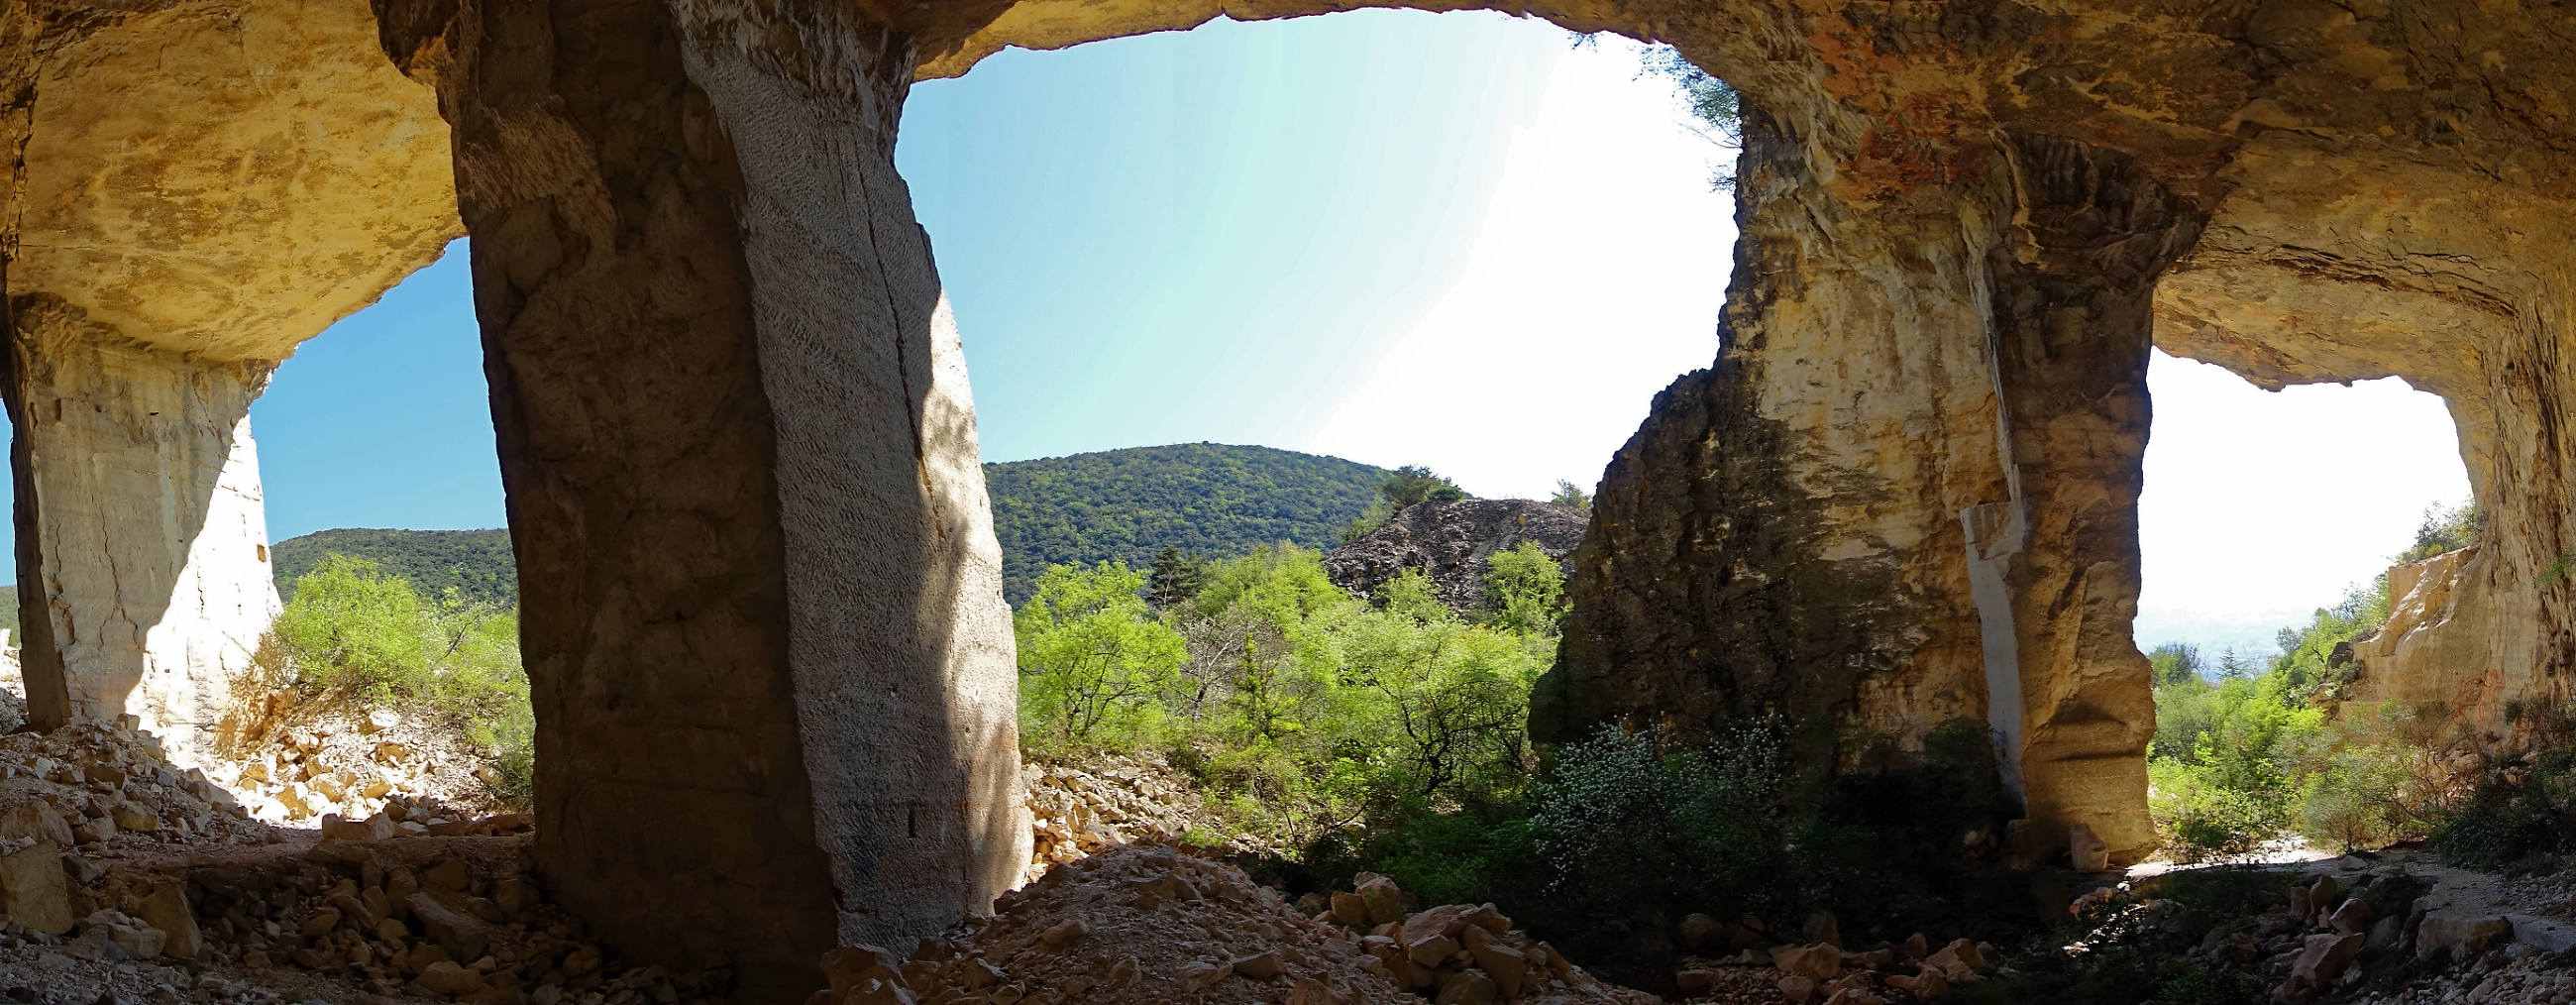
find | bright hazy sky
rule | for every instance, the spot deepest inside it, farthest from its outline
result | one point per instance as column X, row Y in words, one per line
column 1455, row 240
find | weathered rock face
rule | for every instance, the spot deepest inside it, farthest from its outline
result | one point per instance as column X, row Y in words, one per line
column 2434, row 660
column 143, row 554
column 761, row 593
column 1450, row 542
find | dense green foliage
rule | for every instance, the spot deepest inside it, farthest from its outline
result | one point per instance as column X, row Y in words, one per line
column 357, row 631
column 2251, row 757
column 1202, row 499
column 1410, row 485
column 477, row 564
column 1391, row 737
column 2446, row 528
column 1571, row 496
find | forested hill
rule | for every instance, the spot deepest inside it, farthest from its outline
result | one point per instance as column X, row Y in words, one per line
column 1207, row 499
column 477, row 563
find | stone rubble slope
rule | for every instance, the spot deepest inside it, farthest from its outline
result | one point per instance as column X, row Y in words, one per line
column 125, row 878
column 304, row 759
column 1149, row 924
column 1113, row 800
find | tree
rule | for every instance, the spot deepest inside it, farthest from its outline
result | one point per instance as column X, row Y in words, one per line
column 1414, row 484
column 1411, row 594
column 1176, row 578
column 1571, row 496
column 1711, row 101
column 1524, row 590
column 1090, row 652
column 2175, row 663
column 2232, row 666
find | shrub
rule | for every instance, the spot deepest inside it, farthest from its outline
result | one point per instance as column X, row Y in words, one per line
column 2514, row 820
column 1632, row 822
column 2199, row 820
column 355, row 633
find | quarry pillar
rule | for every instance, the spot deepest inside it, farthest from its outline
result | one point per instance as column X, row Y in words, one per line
column 762, row 610
column 1905, row 494
column 143, row 570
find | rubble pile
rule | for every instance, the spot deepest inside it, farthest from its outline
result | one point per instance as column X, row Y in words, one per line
column 1461, row 953
column 1115, row 800
column 458, row 917
column 353, row 764
column 1136, row 924
column 1140, row 924
column 108, row 790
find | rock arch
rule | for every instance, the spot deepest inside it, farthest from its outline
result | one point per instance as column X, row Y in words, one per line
column 773, row 671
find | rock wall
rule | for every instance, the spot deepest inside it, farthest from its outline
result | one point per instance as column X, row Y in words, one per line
column 761, row 595
column 1450, row 543
column 2434, row 660
column 144, row 582
column 1906, row 494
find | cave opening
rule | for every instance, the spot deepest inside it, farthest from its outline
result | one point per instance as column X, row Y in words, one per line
column 2301, row 548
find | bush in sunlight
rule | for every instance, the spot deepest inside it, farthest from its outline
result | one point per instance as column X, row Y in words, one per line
column 1092, row 658
column 356, row 634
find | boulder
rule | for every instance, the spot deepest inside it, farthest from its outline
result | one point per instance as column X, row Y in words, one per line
column 34, row 894
column 2323, row 957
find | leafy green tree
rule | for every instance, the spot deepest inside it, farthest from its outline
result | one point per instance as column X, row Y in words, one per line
column 355, row 629
column 1411, row 594
column 1413, row 485
column 1716, row 105
column 1525, row 590
column 1176, row 578
column 352, row 626
column 2175, row 662
column 1379, row 511
column 1571, row 496
column 1091, row 654
column 2445, row 529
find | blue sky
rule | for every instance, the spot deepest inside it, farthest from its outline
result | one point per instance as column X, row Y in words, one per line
column 1397, row 237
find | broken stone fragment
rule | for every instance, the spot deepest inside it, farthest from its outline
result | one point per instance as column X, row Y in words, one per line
column 1817, row 961
column 1467, row 987
column 131, row 816
column 2460, row 935
column 162, row 903
column 34, row 821
column 2323, row 958
column 463, row 935
column 2086, row 851
column 1261, row 966
column 447, row 978
column 33, row 891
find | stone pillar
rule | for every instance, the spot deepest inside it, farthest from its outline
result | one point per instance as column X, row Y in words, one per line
column 774, row 682
column 1905, row 494
column 2073, row 322
column 144, row 581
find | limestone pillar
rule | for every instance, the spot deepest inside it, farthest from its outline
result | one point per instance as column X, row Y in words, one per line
column 1905, row 493
column 144, row 581
column 773, row 672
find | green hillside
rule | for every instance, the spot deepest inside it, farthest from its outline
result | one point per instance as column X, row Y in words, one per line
column 1207, row 499
column 476, row 563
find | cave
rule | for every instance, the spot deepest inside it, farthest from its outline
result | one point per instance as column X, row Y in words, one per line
column 773, row 670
